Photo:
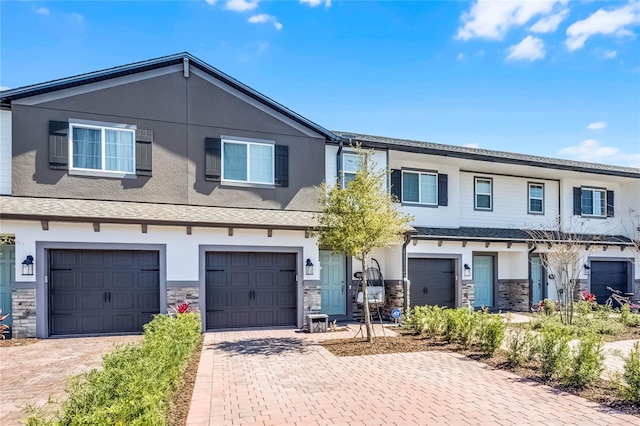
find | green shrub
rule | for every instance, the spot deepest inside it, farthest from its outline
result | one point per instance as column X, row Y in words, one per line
column 491, row 331
column 609, row 327
column 542, row 322
column 633, row 320
column 435, row 323
column 136, row 381
column 587, row 362
column 460, row 326
column 603, row 312
column 553, row 351
column 630, row 389
column 415, row 319
column 584, row 307
column 625, row 313
column 549, row 307
column 517, row 347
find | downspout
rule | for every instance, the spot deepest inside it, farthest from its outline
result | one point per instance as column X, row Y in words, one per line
column 339, row 160
column 405, row 301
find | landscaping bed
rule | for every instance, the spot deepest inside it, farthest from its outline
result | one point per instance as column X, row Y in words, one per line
column 538, row 351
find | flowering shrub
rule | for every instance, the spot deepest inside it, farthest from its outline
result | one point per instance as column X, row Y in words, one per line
column 182, row 308
column 588, row 297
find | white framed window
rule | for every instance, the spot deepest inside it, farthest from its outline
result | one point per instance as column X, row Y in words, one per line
column 350, row 165
column 101, row 147
column 419, row 187
column 483, row 194
column 248, row 161
column 594, row 202
column 536, row 198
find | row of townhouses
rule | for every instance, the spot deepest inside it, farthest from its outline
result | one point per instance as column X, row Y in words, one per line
column 129, row 189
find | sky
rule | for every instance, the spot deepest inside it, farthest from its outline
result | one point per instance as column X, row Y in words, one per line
column 552, row 78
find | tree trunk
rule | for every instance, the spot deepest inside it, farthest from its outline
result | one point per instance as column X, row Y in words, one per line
column 365, row 299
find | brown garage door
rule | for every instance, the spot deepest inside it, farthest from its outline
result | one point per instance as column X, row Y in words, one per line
column 250, row 289
column 432, row 282
column 102, row 291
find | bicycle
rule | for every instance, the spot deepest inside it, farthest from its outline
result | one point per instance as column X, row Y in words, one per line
column 616, row 295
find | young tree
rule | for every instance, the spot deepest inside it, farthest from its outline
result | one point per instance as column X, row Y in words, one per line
column 563, row 255
column 360, row 217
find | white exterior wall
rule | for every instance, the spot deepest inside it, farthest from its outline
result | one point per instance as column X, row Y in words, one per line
column 5, row 152
column 182, row 249
column 510, row 203
column 331, row 166
column 435, row 216
column 593, row 225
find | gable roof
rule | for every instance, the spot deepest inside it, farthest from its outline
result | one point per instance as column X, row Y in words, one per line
column 455, row 151
column 7, row 96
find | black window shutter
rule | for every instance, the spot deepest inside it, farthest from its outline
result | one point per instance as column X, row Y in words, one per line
column 58, row 144
column 577, row 201
column 609, row 203
column 212, row 152
column 443, row 194
column 144, row 144
column 282, row 165
column 396, row 184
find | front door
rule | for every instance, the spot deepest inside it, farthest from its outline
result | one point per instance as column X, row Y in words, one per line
column 483, row 280
column 537, row 293
column 7, row 277
column 332, row 283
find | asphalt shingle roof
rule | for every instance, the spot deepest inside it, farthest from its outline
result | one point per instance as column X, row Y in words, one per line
column 71, row 210
column 489, row 155
column 507, row 234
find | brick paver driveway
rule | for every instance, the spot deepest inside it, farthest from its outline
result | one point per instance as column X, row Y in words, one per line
column 36, row 373
column 268, row 377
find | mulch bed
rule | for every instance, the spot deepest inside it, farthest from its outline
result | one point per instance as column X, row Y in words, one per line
column 181, row 398
column 5, row 343
column 603, row 392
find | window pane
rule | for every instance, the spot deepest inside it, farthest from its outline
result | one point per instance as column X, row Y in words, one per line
column 535, row 205
column 535, row 191
column 235, row 161
column 483, row 201
column 587, row 201
column 483, row 186
column 350, row 163
column 261, row 167
column 598, row 203
column 410, row 187
column 87, row 149
column 119, row 150
column 428, row 189
column 348, row 177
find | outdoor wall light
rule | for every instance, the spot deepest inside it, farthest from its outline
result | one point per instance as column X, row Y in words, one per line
column 308, row 267
column 587, row 269
column 467, row 270
column 27, row 266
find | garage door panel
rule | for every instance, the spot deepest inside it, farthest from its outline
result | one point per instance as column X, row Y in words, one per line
column 250, row 289
column 102, row 291
column 608, row 273
column 92, row 300
column 432, row 281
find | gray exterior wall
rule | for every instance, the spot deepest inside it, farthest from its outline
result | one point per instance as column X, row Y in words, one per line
column 181, row 112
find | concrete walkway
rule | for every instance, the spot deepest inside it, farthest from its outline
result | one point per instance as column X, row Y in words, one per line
column 38, row 373
column 280, row 376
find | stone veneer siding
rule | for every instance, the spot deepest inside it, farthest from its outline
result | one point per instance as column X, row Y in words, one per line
column 394, row 299
column 312, row 295
column 513, row 295
column 177, row 295
column 468, row 295
column 23, row 312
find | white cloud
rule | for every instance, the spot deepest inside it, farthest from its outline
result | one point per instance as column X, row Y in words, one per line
column 593, row 151
column 597, row 125
column 211, row 2
column 241, row 5
column 43, row 11
column 2, row 88
column 530, row 48
column 314, row 3
column 605, row 22
column 609, row 54
column 471, row 145
column 492, row 19
column 550, row 23
column 263, row 18
column 460, row 56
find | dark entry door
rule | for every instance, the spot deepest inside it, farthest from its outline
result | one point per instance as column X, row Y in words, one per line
column 608, row 273
column 102, row 291
column 432, row 282
column 250, row 289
